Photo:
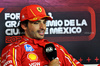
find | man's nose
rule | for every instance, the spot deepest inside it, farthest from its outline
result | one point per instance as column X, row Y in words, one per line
column 42, row 26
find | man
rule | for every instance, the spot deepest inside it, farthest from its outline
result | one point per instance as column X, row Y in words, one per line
column 31, row 49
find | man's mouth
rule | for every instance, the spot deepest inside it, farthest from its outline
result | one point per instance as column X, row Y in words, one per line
column 41, row 32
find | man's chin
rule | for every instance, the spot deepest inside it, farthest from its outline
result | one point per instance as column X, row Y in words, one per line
column 40, row 38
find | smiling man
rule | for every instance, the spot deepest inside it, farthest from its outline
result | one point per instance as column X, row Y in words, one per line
column 33, row 49
column 35, row 29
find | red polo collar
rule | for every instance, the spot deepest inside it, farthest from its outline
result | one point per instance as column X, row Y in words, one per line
column 41, row 42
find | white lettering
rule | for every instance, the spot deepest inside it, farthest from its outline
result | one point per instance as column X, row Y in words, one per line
column 12, row 31
column 50, row 14
column 12, row 24
column 49, row 49
column 12, row 16
column 8, row 62
column 34, row 64
column 63, row 30
column 46, row 32
column 54, row 23
column 83, row 23
column 70, row 22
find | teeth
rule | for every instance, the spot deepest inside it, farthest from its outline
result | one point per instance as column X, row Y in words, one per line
column 41, row 32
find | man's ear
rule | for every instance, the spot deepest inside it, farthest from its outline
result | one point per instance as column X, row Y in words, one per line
column 24, row 27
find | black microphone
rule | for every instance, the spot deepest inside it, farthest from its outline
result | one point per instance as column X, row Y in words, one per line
column 50, row 51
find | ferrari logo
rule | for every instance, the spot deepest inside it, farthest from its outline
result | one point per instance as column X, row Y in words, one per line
column 39, row 9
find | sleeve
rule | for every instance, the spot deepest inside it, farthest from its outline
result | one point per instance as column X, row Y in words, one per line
column 68, row 59
column 11, row 56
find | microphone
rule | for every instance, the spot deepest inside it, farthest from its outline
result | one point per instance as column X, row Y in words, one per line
column 50, row 51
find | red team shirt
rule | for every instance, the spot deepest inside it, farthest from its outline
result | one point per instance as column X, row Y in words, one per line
column 30, row 52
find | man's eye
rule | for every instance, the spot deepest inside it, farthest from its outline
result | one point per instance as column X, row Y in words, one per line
column 35, row 22
column 44, row 22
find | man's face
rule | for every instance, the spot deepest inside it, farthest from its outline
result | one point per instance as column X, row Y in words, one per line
column 36, row 29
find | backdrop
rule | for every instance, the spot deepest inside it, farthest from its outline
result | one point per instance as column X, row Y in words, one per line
column 75, row 25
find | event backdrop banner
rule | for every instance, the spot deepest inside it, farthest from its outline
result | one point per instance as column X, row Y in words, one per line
column 75, row 25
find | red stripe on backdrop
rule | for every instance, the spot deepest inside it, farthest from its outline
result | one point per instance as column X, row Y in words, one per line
column 93, row 23
column 1, row 9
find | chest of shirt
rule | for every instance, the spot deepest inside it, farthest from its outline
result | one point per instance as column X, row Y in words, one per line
column 34, row 55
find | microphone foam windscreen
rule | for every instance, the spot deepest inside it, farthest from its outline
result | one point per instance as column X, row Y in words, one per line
column 50, row 51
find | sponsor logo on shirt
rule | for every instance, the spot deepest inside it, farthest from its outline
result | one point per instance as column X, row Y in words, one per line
column 32, row 57
column 28, row 48
column 34, row 64
column 8, row 62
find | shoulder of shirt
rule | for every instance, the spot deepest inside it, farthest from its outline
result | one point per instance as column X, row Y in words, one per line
column 59, row 47
column 14, row 45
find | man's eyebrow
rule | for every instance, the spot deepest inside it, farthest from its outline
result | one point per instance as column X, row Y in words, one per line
column 37, row 21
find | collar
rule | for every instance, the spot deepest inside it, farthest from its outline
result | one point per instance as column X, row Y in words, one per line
column 41, row 42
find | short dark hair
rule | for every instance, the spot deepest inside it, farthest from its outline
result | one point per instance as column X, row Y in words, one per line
column 22, row 32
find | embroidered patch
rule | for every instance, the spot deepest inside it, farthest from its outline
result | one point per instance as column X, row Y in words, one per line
column 28, row 48
column 32, row 57
column 39, row 9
